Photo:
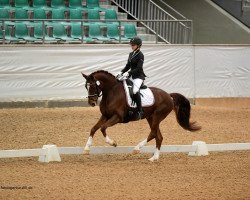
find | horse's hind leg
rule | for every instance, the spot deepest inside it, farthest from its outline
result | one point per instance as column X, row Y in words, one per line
column 151, row 136
column 155, row 129
column 158, row 139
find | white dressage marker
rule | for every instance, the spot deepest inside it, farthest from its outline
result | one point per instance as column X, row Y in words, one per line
column 201, row 149
column 52, row 154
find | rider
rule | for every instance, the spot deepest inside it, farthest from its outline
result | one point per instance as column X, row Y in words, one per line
column 136, row 74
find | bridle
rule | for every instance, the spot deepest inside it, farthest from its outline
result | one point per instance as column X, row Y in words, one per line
column 98, row 92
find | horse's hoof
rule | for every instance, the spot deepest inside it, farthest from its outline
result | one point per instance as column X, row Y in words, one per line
column 153, row 159
column 86, row 152
column 114, row 144
column 136, row 151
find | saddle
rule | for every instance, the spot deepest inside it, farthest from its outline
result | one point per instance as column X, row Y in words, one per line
column 130, row 88
column 146, row 96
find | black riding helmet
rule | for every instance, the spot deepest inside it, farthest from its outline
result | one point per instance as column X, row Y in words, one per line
column 136, row 40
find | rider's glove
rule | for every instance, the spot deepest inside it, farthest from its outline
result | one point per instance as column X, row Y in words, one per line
column 119, row 75
column 125, row 75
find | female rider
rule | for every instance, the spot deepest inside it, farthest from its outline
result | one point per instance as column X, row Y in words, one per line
column 134, row 70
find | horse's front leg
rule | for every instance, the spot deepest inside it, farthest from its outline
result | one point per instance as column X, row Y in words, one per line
column 100, row 122
column 110, row 122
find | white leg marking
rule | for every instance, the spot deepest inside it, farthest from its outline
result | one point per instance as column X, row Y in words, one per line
column 140, row 145
column 88, row 144
column 110, row 141
column 155, row 156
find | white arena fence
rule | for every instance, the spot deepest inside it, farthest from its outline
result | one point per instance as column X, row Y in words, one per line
column 54, row 72
column 52, row 152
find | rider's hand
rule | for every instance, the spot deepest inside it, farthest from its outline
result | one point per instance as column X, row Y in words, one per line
column 119, row 75
column 126, row 74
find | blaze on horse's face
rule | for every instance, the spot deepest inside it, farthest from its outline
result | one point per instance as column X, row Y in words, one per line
column 93, row 90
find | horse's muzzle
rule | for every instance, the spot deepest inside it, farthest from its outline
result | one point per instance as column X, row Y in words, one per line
column 92, row 102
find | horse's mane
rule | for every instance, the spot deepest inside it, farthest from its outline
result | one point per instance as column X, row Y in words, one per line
column 103, row 72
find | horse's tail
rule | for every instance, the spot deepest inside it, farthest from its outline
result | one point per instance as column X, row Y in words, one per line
column 182, row 110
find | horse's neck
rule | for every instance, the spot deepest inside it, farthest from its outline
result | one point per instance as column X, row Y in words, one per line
column 108, row 82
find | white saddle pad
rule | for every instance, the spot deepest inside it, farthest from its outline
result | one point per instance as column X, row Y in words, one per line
column 147, row 97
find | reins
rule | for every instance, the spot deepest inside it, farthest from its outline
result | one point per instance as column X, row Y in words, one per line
column 97, row 93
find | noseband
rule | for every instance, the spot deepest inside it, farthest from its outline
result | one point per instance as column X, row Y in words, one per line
column 97, row 92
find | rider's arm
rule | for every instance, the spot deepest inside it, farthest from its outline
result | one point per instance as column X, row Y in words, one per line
column 126, row 68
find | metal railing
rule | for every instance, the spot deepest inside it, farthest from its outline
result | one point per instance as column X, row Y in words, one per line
column 174, row 32
column 47, row 23
column 245, row 5
column 171, row 9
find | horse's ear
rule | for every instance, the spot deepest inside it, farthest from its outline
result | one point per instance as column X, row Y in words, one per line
column 85, row 76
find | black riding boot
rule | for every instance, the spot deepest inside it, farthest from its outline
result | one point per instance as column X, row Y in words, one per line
column 140, row 113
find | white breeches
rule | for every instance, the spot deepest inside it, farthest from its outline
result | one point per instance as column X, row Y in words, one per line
column 136, row 84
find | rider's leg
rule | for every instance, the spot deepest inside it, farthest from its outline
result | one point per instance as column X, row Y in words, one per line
column 137, row 84
column 136, row 87
column 137, row 98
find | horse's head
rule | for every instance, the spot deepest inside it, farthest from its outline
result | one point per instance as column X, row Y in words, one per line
column 94, row 91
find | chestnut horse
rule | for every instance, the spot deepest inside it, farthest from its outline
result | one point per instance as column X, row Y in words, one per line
column 114, row 109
